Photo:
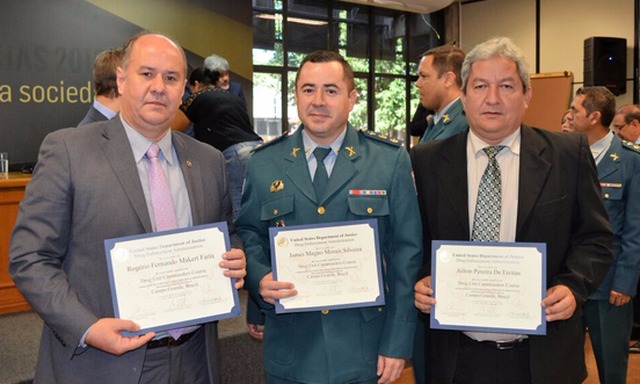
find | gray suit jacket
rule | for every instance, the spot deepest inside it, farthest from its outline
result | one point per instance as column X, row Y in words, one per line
column 86, row 189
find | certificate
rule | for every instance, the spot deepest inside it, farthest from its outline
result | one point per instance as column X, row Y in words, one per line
column 491, row 287
column 332, row 266
column 171, row 279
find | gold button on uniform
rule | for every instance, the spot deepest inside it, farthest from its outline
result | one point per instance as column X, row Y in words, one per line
column 321, row 210
column 606, row 195
column 325, row 311
column 275, row 211
column 369, row 210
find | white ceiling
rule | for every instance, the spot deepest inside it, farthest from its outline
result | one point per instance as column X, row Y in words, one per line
column 417, row 6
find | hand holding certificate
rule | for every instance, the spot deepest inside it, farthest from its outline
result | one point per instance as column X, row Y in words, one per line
column 495, row 287
column 171, row 279
column 332, row 266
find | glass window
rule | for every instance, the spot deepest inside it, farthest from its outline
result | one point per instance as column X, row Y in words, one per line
column 267, row 113
column 383, row 46
column 390, row 107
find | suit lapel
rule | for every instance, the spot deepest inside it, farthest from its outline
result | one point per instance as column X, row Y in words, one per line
column 117, row 150
column 453, row 176
column 298, row 171
column 534, row 170
column 611, row 160
column 192, row 173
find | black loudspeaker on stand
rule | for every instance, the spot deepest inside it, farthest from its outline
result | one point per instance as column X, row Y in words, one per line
column 605, row 63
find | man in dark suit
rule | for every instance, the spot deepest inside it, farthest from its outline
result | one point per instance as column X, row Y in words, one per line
column 608, row 313
column 92, row 184
column 369, row 177
column 439, row 83
column 549, row 194
column 107, row 103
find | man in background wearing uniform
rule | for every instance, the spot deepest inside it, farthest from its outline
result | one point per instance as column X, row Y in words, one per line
column 609, row 311
column 369, row 177
column 439, row 83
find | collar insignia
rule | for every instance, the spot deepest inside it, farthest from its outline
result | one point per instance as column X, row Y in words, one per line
column 351, row 151
column 446, row 118
column 294, row 151
column 614, row 156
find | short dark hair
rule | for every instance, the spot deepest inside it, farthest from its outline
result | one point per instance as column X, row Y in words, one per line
column 599, row 99
column 204, row 76
column 447, row 58
column 104, row 72
column 323, row 56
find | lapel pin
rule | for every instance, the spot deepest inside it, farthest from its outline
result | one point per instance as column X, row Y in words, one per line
column 277, row 185
column 446, row 118
column 295, row 151
column 189, row 163
column 614, row 156
column 351, row 151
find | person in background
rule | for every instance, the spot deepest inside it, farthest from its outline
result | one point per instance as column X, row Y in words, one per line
column 367, row 176
column 608, row 313
column 219, row 64
column 419, row 122
column 626, row 123
column 439, row 85
column 220, row 119
column 549, row 194
column 94, row 184
column 107, row 102
column 566, row 124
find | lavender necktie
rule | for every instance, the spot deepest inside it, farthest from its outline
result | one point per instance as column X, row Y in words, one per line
column 164, row 215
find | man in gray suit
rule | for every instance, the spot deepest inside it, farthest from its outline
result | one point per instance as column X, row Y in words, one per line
column 92, row 184
column 107, row 102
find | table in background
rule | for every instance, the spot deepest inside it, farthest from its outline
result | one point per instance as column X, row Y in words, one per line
column 11, row 192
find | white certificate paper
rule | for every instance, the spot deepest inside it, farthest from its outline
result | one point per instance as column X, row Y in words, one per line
column 492, row 287
column 332, row 266
column 171, row 279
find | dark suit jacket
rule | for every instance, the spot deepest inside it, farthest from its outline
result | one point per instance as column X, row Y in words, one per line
column 558, row 204
column 236, row 89
column 86, row 189
column 92, row 116
column 619, row 176
column 338, row 346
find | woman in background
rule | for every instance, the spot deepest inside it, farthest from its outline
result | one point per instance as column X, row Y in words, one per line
column 221, row 120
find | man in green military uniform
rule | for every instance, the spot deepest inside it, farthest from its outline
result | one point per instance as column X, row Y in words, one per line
column 369, row 176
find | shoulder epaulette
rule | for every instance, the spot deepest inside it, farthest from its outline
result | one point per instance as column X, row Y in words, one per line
column 381, row 137
column 629, row 145
column 272, row 141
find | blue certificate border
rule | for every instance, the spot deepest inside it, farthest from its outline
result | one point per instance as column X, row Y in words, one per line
column 540, row 247
column 373, row 223
column 110, row 243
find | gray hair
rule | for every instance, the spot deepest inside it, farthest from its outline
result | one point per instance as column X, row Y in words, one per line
column 496, row 47
column 216, row 63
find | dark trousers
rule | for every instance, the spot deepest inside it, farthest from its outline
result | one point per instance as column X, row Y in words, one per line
column 483, row 363
column 186, row 363
column 609, row 330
